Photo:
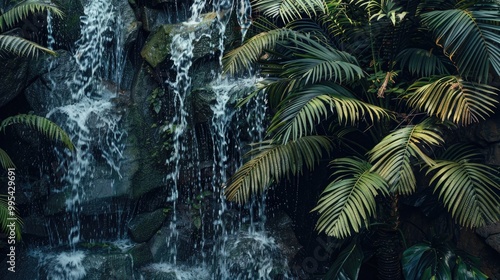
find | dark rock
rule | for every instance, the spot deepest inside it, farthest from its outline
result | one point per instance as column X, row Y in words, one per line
column 280, row 227
column 141, row 255
column 35, row 225
column 13, row 78
column 143, row 226
column 55, row 204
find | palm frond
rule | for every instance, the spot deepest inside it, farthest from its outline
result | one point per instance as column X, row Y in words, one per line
column 451, row 98
column 6, row 214
column 469, row 38
column 21, row 47
column 244, row 56
column 347, row 204
column 5, row 160
column 23, row 9
column 467, row 187
column 318, row 62
column 302, row 111
column 43, row 125
column 393, row 158
column 271, row 162
column 289, row 10
column 421, row 62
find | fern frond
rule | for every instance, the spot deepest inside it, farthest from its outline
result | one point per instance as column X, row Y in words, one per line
column 272, row 162
column 5, row 160
column 450, row 98
column 41, row 124
column 394, row 157
column 21, row 47
column 23, row 9
column 289, row 10
column 299, row 114
column 467, row 188
column 347, row 204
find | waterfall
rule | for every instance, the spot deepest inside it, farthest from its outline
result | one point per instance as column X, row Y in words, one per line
column 89, row 118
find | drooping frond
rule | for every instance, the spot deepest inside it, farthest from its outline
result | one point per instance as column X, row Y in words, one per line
column 393, row 158
column 289, row 10
column 421, row 62
column 21, row 47
column 23, row 9
column 467, row 187
column 5, row 160
column 271, row 162
column 348, row 263
column 347, row 204
column 318, row 62
column 5, row 214
column 451, row 98
column 43, row 125
column 303, row 110
column 469, row 37
column 242, row 58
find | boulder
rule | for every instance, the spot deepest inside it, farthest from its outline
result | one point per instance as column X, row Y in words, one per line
column 144, row 226
column 204, row 36
column 13, row 78
column 491, row 233
column 141, row 255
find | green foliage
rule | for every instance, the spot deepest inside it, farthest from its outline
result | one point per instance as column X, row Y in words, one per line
column 271, row 161
column 469, row 37
column 466, row 187
column 5, row 214
column 347, row 204
column 439, row 260
column 5, row 160
column 398, row 75
column 347, row 264
column 289, row 10
column 17, row 45
column 393, row 157
column 452, row 99
column 43, row 125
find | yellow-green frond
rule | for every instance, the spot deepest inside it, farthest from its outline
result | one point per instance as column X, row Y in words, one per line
column 467, row 188
column 5, row 160
column 6, row 213
column 299, row 115
column 242, row 58
column 452, row 99
column 21, row 47
column 289, row 10
column 394, row 157
column 348, row 203
column 43, row 125
column 271, row 162
column 23, row 9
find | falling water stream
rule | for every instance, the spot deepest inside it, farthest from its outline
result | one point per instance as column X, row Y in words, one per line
column 100, row 62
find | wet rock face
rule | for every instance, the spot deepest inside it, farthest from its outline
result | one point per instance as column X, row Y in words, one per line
column 491, row 233
column 143, row 226
column 12, row 80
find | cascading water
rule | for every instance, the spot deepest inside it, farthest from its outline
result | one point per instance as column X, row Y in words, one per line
column 89, row 118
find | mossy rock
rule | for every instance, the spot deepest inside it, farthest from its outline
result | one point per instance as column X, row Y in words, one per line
column 143, row 226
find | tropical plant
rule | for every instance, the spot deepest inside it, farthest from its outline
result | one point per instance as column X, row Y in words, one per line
column 44, row 126
column 405, row 75
column 9, row 41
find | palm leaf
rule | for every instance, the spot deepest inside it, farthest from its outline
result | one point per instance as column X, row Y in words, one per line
column 319, row 62
column 272, row 162
column 394, row 156
column 301, row 112
column 347, row 204
column 5, row 160
column 466, row 187
column 421, row 62
column 469, row 37
column 43, row 125
column 244, row 56
column 23, row 9
column 289, row 10
column 451, row 98
column 21, row 46
column 6, row 215
column 347, row 264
